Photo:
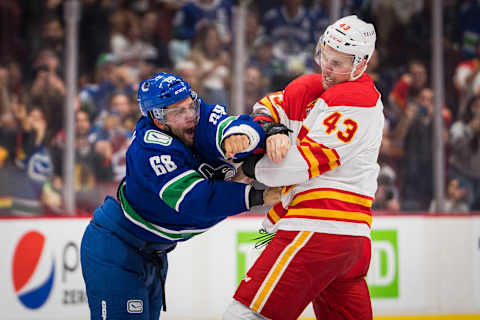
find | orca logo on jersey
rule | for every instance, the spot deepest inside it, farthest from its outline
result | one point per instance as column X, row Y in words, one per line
column 135, row 306
column 223, row 172
column 145, row 86
column 157, row 137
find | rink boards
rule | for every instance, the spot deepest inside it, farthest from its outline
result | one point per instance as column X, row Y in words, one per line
column 421, row 265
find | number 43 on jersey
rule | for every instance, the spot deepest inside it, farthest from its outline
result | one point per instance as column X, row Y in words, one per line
column 346, row 135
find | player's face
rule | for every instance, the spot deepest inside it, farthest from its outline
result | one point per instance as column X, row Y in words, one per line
column 336, row 66
column 181, row 118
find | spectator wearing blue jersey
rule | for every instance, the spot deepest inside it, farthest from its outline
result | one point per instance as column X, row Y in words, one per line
column 290, row 28
column 174, row 189
column 189, row 18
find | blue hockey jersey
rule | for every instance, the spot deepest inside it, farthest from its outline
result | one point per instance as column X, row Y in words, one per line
column 172, row 192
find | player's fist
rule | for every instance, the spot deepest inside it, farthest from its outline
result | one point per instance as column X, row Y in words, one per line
column 277, row 147
column 234, row 144
column 272, row 195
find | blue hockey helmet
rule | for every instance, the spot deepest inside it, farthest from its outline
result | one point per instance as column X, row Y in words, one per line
column 161, row 91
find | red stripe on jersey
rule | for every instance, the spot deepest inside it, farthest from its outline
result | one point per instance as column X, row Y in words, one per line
column 335, row 190
column 327, row 218
column 302, row 133
column 302, row 153
column 333, row 204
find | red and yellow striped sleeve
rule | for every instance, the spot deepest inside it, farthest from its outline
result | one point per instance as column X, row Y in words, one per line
column 273, row 101
column 276, row 213
column 319, row 158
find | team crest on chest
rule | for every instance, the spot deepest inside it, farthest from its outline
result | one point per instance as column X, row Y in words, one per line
column 157, row 137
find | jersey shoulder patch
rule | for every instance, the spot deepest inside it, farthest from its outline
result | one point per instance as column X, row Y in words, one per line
column 157, row 137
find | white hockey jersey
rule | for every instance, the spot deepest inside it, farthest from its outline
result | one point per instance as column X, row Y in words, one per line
column 331, row 169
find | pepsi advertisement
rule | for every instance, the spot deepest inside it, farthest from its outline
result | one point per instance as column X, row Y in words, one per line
column 40, row 271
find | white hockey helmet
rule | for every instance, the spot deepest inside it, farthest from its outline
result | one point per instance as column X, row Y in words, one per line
column 349, row 35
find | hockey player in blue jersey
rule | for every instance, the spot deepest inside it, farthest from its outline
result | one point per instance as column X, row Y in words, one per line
column 174, row 189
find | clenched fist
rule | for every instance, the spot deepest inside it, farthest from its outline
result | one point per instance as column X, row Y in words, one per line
column 234, row 144
column 277, row 147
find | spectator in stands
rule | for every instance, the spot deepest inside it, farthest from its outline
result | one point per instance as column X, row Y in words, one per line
column 383, row 79
column 24, row 161
column 111, row 77
column 272, row 68
column 469, row 27
column 464, row 158
column 90, row 164
column 418, row 152
column 387, row 195
column 213, row 62
column 48, row 89
column 319, row 15
column 188, row 70
column 254, row 30
column 129, row 46
column 467, row 78
column 150, row 35
column 53, row 35
column 409, row 85
column 193, row 14
column 290, row 28
column 94, row 34
column 255, row 89
column 455, row 200
column 111, row 134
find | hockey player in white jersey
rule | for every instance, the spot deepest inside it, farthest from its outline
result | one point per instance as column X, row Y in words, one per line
column 321, row 250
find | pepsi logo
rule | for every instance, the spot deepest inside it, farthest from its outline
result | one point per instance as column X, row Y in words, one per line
column 33, row 270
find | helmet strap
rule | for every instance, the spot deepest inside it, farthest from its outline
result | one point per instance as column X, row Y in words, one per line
column 355, row 65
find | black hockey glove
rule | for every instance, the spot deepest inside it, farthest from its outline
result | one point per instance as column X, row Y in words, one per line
column 249, row 163
column 272, row 128
column 255, row 197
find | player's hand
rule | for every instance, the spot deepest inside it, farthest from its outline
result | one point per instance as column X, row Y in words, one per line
column 277, row 147
column 272, row 195
column 234, row 144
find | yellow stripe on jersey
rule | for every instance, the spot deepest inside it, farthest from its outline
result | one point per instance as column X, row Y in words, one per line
column 312, row 161
column 316, row 167
column 278, row 269
column 273, row 215
column 333, row 214
column 330, row 194
column 331, row 156
column 287, row 189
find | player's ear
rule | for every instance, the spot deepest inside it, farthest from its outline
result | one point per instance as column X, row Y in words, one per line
column 360, row 67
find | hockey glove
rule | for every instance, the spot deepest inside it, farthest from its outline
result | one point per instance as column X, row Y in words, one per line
column 255, row 197
column 249, row 164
